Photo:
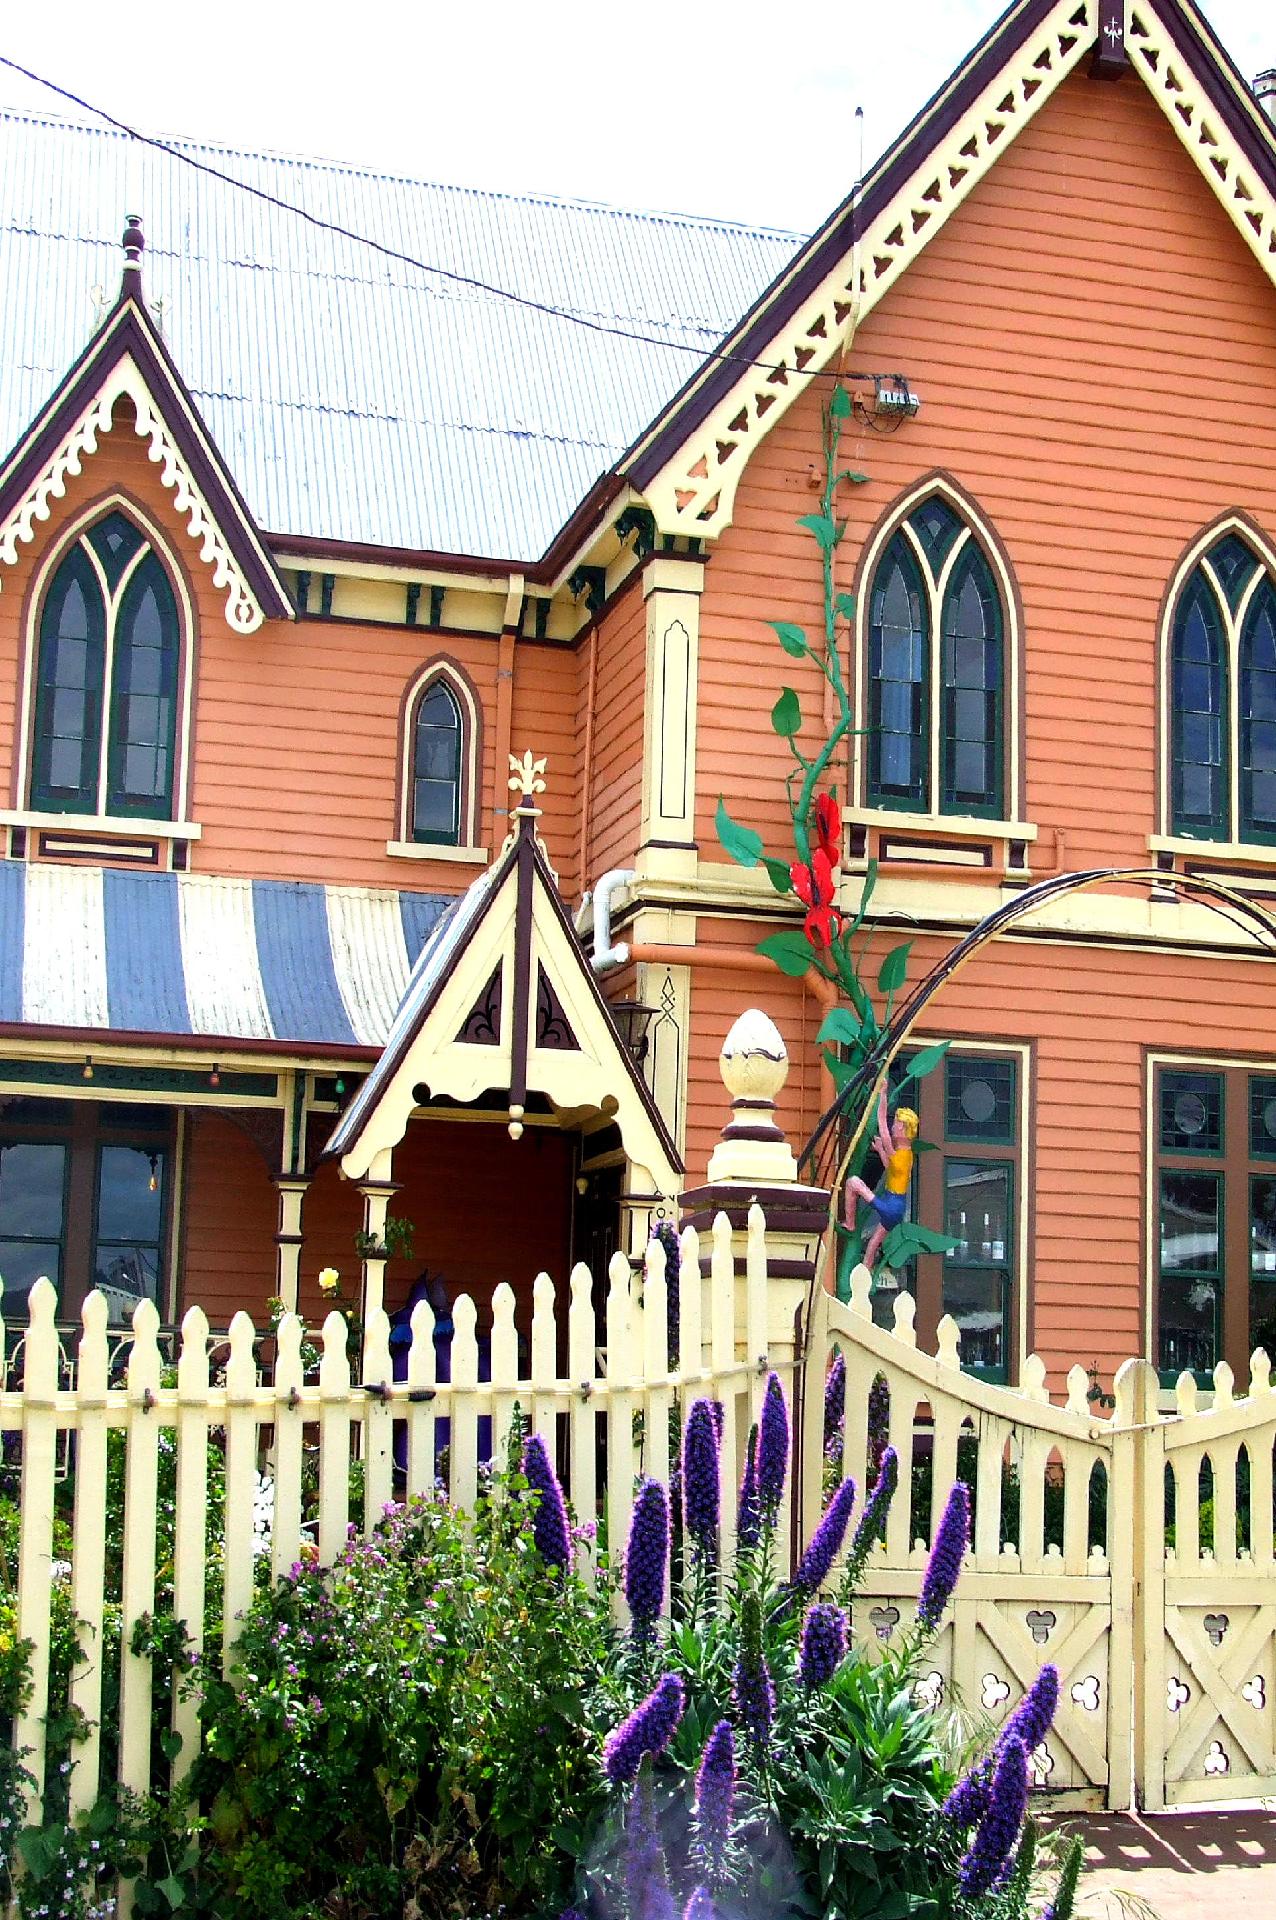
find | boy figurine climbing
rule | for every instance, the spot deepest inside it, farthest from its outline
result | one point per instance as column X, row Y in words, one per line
column 894, row 1144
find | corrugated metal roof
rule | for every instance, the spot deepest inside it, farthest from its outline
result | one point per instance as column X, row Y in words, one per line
column 352, row 397
column 101, row 949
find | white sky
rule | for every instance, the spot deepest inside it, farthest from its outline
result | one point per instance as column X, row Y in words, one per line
column 704, row 106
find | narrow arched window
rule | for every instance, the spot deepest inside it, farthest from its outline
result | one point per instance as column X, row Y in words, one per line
column 106, row 683
column 936, row 712
column 438, row 758
column 1222, row 697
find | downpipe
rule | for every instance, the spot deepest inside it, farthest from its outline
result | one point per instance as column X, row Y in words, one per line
column 607, row 957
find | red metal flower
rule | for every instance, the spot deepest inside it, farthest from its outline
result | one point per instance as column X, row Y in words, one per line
column 815, row 888
column 828, row 828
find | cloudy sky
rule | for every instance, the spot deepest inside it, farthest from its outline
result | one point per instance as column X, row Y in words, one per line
column 703, row 106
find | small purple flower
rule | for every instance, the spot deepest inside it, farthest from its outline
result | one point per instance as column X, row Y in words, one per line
column 700, row 1488
column 826, row 1543
column 822, row 1648
column 649, row 1729
column 718, row 1409
column 748, row 1526
column 550, row 1530
column 834, row 1407
column 715, row 1802
column 773, row 1447
column 952, row 1536
column 700, row 1906
column 647, row 1556
column 988, row 1856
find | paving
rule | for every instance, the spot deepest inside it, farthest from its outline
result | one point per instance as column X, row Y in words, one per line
column 1180, row 1866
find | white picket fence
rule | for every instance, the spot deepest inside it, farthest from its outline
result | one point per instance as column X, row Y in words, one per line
column 598, row 1387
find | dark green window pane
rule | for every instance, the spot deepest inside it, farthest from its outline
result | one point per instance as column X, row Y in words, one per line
column 1262, row 1227
column 971, row 751
column 1262, row 1315
column 1190, row 1223
column 32, row 1203
column 1191, row 1108
column 436, row 767
column 1189, row 1325
column 114, row 540
column 977, row 1212
column 1199, row 701
column 1258, row 715
column 898, row 653
column 1235, row 565
column 936, row 526
column 127, row 1260
column 979, row 1099
column 1262, row 1118
column 979, row 1303
column 144, row 696
column 68, row 704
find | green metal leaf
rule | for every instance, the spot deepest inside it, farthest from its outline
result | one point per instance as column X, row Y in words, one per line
column 894, row 969
column 780, row 877
column 926, row 1061
column 846, row 604
column 840, row 404
column 822, row 528
column 840, row 1026
column 791, row 952
column 792, row 639
column 841, row 1071
column 786, row 714
column 741, row 843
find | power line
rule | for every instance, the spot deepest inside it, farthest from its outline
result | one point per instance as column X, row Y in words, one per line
column 702, row 354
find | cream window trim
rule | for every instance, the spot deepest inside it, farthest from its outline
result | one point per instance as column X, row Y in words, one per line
column 109, row 826
column 899, row 820
column 428, row 850
column 1255, row 852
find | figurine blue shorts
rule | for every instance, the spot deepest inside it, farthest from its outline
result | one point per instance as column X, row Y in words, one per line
column 890, row 1208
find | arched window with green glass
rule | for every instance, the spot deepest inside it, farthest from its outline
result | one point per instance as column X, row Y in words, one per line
column 437, row 738
column 936, row 671
column 107, row 677
column 1222, row 697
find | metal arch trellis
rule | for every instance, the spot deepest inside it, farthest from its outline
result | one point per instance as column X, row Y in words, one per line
column 820, row 1163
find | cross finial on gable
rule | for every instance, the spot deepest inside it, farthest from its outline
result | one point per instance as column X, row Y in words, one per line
column 133, row 241
column 1110, row 59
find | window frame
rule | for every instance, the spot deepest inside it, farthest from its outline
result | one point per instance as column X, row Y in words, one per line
column 466, row 845
column 974, row 534
column 927, row 1199
column 1237, row 1165
column 1233, row 618
column 33, row 810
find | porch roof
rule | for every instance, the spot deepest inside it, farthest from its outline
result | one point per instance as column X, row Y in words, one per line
column 160, row 955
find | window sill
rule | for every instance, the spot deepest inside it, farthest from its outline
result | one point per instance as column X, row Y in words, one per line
column 105, row 825
column 1218, row 852
column 423, row 850
column 965, row 825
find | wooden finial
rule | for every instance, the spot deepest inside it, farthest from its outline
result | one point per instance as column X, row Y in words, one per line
column 525, row 780
column 133, row 241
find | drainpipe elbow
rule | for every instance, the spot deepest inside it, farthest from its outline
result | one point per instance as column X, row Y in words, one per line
column 606, row 957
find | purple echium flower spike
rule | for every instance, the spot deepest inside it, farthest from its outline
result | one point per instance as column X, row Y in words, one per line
column 773, row 1446
column 649, row 1729
column 826, row 1542
column 822, row 1648
column 645, row 1872
column 952, row 1536
column 872, row 1526
column 748, row 1526
column 986, row 1859
column 879, row 1416
column 700, row 1488
column 1030, row 1722
column 549, row 1525
column 700, row 1906
column 647, row 1556
column 834, row 1407
column 753, row 1691
column 715, row 1803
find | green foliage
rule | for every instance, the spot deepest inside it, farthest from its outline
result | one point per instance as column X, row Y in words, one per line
column 894, row 969
column 406, row 1728
column 792, row 639
column 786, row 714
column 791, row 952
column 397, row 1242
column 742, row 844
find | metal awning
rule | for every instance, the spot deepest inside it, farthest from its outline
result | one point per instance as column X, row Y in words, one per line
column 97, row 949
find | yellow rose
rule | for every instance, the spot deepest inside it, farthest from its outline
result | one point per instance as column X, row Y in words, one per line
column 329, row 1280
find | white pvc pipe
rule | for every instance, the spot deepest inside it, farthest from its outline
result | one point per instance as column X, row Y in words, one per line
column 606, row 956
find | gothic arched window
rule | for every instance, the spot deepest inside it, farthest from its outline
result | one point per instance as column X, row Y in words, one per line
column 108, row 663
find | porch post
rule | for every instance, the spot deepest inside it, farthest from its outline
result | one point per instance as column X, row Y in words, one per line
column 377, row 1194
column 753, row 1162
column 292, row 1192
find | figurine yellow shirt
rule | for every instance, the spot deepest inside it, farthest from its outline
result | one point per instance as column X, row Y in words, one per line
column 899, row 1170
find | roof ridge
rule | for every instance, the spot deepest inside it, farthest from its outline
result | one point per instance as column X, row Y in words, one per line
column 330, row 163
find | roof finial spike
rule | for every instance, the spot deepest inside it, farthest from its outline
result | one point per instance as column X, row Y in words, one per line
column 133, row 241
